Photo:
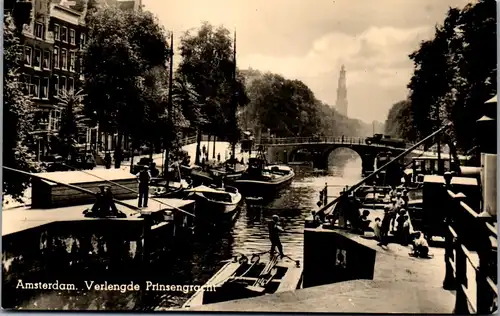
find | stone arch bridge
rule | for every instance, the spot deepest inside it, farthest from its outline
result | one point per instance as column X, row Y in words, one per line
column 284, row 149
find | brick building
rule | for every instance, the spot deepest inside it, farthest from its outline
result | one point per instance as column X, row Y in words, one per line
column 53, row 32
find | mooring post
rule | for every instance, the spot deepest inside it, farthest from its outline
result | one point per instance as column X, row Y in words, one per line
column 325, row 195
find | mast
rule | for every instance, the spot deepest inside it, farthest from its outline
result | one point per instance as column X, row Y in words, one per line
column 235, row 100
column 169, row 108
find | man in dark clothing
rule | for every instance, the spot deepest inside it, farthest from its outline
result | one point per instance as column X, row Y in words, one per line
column 274, row 235
column 144, row 176
column 105, row 205
column 386, row 225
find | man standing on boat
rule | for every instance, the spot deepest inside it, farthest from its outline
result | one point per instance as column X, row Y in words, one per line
column 144, row 176
column 274, row 235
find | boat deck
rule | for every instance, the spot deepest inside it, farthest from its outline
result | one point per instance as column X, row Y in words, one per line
column 20, row 219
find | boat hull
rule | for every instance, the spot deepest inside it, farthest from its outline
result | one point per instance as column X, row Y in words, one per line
column 210, row 211
column 262, row 188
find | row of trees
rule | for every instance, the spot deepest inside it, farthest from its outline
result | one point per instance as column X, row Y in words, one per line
column 300, row 114
column 455, row 73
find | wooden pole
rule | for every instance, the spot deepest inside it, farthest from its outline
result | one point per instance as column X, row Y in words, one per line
column 169, row 109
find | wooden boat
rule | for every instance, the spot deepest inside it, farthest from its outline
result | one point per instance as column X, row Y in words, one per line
column 215, row 203
column 243, row 278
column 211, row 175
column 261, row 180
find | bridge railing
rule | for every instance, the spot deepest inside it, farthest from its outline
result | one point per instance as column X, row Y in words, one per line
column 321, row 140
column 470, row 257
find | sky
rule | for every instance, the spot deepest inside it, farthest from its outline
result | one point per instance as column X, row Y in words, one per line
column 310, row 40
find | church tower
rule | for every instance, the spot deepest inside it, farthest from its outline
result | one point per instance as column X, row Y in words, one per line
column 341, row 104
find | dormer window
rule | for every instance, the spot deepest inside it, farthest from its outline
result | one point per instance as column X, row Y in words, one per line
column 39, row 30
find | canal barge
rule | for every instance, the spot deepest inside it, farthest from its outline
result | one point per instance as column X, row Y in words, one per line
column 244, row 278
column 261, row 180
column 215, row 203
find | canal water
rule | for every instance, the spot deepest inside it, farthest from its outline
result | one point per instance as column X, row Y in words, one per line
column 192, row 261
column 195, row 262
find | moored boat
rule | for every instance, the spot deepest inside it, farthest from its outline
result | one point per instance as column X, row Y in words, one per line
column 261, row 180
column 243, row 278
column 215, row 203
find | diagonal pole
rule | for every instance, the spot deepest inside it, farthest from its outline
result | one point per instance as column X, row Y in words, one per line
column 406, row 152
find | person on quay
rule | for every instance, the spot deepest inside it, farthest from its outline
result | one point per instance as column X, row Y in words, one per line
column 107, row 160
column 405, row 198
column 420, row 246
column 385, row 226
column 274, row 235
column 393, row 212
column 218, row 157
column 316, row 219
column 144, row 177
column 377, row 226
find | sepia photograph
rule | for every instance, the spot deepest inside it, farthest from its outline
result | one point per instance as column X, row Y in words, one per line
column 272, row 156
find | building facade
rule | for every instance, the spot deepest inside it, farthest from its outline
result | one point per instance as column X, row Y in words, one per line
column 341, row 104
column 53, row 34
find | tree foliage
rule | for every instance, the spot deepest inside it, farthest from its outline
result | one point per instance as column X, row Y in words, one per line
column 125, row 51
column 300, row 113
column 397, row 123
column 207, row 76
column 455, row 72
column 72, row 120
column 17, row 115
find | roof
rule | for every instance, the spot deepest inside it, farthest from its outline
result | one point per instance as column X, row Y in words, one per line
column 73, row 177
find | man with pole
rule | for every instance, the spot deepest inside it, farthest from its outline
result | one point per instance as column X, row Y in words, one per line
column 274, row 235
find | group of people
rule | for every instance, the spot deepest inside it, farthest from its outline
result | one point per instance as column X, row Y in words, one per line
column 395, row 222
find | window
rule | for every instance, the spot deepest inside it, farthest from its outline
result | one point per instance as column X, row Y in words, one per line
column 54, row 120
column 56, row 84
column 64, row 34
column 62, row 84
column 71, row 84
column 46, row 59
column 72, row 36
column 44, row 91
column 39, row 30
column 28, row 55
column 38, row 58
column 57, row 32
column 56, row 57
column 64, row 59
column 26, row 84
column 72, row 61
column 35, row 87
column 82, row 40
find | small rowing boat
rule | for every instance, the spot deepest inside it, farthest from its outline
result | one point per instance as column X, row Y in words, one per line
column 243, row 278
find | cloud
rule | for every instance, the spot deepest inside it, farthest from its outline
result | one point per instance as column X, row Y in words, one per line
column 310, row 40
column 376, row 59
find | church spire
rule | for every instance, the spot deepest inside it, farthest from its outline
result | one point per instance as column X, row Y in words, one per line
column 341, row 104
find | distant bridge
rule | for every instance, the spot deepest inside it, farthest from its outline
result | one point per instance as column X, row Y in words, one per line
column 285, row 149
